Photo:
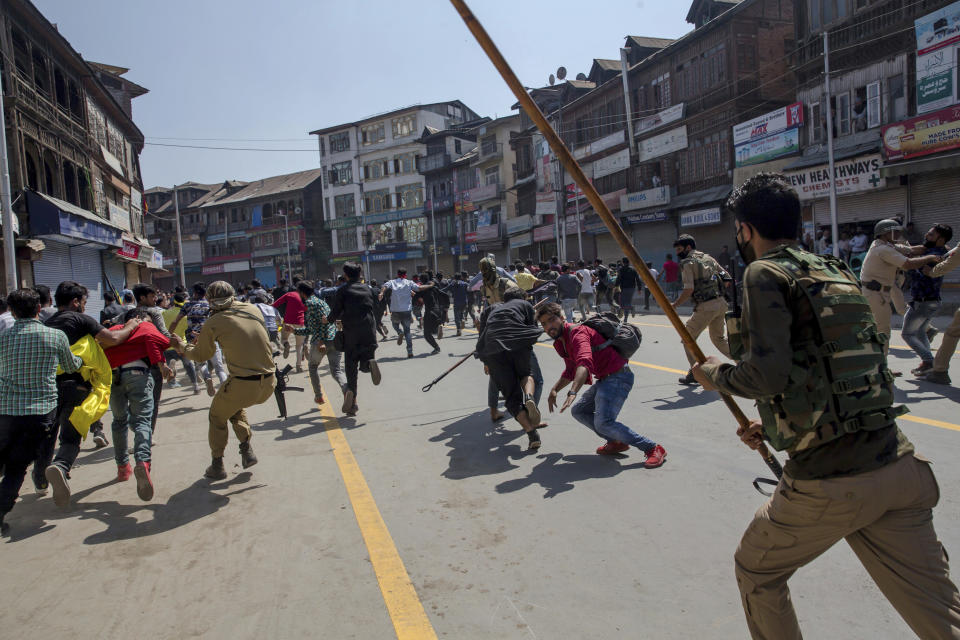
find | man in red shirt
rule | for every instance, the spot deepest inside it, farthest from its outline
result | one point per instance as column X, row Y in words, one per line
column 131, row 398
column 586, row 358
column 293, row 305
column 671, row 276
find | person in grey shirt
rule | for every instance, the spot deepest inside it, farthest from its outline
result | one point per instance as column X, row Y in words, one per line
column 46, row 302
column 568, row 288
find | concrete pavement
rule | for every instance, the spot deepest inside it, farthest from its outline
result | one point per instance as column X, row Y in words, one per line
column 497, row 542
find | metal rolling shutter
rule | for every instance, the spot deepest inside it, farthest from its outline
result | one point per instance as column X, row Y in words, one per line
column 607, row 248
column 115, row 273
column 935, row 198
column 53, row 267
column 87, row 270
column 868, row 206
column 654, row 240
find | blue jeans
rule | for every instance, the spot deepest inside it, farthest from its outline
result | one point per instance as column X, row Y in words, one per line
column 599, row 407
column 915, row 323
column 567, row 305
column 403, row 318
column 131, row 401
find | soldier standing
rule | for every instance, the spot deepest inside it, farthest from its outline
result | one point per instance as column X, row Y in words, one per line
column 818, row 373
column 703, row 279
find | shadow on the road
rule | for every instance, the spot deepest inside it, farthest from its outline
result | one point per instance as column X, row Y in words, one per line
column 686, row 397
column 924, row 390
column 479, row 447
column 558, row 473
column 301, row 425
column 196, row 501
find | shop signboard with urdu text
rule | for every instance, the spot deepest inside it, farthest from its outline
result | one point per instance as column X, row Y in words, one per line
column 662, row 144
column 923, row 135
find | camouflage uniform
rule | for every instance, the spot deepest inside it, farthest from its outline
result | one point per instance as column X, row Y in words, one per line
column 810, row 354
column 705, row 275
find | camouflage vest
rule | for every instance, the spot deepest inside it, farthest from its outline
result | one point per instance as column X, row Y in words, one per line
column 707, row 281
column 839, row 382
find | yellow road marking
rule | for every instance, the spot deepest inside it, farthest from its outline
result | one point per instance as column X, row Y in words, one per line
column 933, row 423
column 406, row 612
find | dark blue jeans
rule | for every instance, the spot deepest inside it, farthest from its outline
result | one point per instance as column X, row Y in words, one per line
column 599, row 407
column 20, row 438
column 403, row 319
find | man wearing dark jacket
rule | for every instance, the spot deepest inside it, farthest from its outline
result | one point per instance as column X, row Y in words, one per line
column 354, row 308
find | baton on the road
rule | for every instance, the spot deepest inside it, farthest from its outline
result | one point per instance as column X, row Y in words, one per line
column 427, row 387
column 593, row 196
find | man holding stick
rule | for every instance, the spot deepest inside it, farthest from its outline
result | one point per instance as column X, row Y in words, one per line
column 819, row 375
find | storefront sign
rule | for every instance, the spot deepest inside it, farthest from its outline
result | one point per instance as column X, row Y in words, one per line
column 391, row 246
column 612, row 199
column 936, row 85
column 701, row 217
column 438, row 204
column 543, row 233
column 488, row 231
column 342, row 223
column 119, row 216
column 768, row 148
column 467, row 249
column 518, row 224
column 597, row 146
column 611, row 164
column 226, row 267
column 641, row 218
column 169, row 262
column 157, row 260
column 129, row 250
column 923, row 135
column 851, row 176
column 484, row 192
column 522, row 240
column 470, row 236
column 546, row 203
column 261, row 262
column 666, row 116
column 641, row 199
column 398, row 255
column 938, row 29
column 673, row 140
column 789, row 117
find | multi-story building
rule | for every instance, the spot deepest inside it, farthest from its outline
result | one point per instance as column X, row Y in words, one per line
column 373, row 192
column 73, row 152
column 495, row 224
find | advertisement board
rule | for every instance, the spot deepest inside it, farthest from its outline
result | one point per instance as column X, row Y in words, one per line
column 641, row 218
column 666, row 116
column 546, row 203
column 851, row 176
column 611, row 164
column 642, row 199
column 789, row 117
column 768, row 148
column 543, row 233
column 938, row 29
column 923, row 135
column 936, row 79
column 700, row 217
column 659, row 145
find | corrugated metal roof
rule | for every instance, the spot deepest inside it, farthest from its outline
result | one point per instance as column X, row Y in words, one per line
column 271, row 186
column 608, row 65
column 651, row 43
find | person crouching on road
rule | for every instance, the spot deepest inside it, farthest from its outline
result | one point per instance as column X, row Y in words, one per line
column 601, row 404
column 239, row 329
column 132, row 397
column 508, row 331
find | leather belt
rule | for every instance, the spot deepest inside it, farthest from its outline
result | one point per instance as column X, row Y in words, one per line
column 875, row 285
column 255, row 378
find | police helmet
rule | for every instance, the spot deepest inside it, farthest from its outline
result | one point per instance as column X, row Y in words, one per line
column 886, row 226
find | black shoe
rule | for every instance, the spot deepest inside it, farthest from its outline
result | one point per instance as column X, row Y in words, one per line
column 399, row 338
column 100, row 440
column 4, row 527
column 375, row 376
column 40, row 483
column 688, row 379
column 216, row 471
column 409, row 354
column 534, row 440
column 247, row 457
column 938, row 377
column 437, row 350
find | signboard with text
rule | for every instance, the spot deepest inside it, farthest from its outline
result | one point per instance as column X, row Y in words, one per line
column 641, row 199
column 659, row 145
column 666, row 116
column 611, row 164
column 923, row 135
column 936, row 79
column 789, row 117
column 851, row 176
column 701, row 217
column 768, row 148
column 938, row 29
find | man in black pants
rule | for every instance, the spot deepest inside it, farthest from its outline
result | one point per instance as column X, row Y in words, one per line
column 72, row 389
column 432, row 314
column 508, row 331
column 354, row 308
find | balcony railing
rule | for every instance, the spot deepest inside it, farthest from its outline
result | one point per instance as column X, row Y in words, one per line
column 433, row 162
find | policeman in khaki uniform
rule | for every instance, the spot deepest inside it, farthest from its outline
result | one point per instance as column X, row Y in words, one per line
column 811, row 355
column 879, row 272
column 703, row 279
column 951, row 336
column 239, row 329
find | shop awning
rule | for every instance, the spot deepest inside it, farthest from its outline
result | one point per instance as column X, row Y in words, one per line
column 922, row 165
column 712, row 194
column 838, row 154
column 59, row 220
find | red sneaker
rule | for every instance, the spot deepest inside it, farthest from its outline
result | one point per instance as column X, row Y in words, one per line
column 655, row 458
column 144, row 483
column 124, row 471
column 612, row 447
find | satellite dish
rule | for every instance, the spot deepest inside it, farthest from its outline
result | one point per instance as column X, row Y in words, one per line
column 561, row 73
column 552, row 80
column 298, row 211
column 581, row 76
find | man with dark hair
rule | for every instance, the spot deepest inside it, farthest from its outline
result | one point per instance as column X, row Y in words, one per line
column 196, row 312
column 146, row 296
column 925, row 300
column 851, row 474
column 170, row 316
column 430, row 296
column 508, row 332
column 280, row 289
column 670, row 275
column 354, row 309
column 703, row 280
column 587, row 298
column 29, row 356
column 568, row 288
column 401, row 306
column 46, row 302
column 588, row 361
column 111, row 309
column 256, row 289
column 6, row 316
column 72, row 390
column 292, row 306
column 629, row 281
column 457, row 289
column 321, row 336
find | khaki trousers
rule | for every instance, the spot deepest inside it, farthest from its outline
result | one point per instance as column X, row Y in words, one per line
column 299, row 341
column 885, row 516
column 879, row 302
column 229, row 405
column 710, row 314
column 948, row 344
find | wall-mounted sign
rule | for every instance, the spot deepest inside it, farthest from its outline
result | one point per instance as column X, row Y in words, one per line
column 768, row 148
column 119, row 216
column 789, row 117
column 701, row 217
column 641, row 218
column 666, row 116
column 543, row 233
column 518, row 224
column 522, row 240
column 923, row 135
column 546, row 203
column 851, row 176
column 659, row 145
column 938, row 29
column 611, row 164
column 642, row 199
column 597, row 146
column 936, row 79
column 226, row 267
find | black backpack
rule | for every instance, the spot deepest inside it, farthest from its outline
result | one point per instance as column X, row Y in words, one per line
column 622, row 336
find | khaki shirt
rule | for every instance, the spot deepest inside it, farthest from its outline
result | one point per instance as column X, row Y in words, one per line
column 950, row 262
column 243, row 339
column 882, row 261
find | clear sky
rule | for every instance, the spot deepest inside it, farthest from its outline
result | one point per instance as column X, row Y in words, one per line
column 248, row 73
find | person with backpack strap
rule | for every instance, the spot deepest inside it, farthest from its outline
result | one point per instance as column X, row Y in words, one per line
column 594, row 359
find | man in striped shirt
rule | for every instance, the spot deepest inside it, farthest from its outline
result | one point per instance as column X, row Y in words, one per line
column 29, row 355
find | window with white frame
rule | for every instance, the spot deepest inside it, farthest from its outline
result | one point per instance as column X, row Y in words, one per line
column 339, row 141
column 873, row 105
column 410, row 195
column 843, row 114
column 347, row 240
column 404, row 126
column 341, row 173
column 815, row 126
column 491, row 175
column 372, row 133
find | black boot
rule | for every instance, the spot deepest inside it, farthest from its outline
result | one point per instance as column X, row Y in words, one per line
column 4, row 527
column 688, row 379
column 216, row 471
column 247, row 457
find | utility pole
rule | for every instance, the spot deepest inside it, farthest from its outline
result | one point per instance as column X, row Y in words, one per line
column 9, row 248
column 834, row 231
column 631, row 141
column 176, row 216
column 433, row 234
column 286, row 229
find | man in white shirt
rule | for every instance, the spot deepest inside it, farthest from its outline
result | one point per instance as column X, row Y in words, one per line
column 401, row 305
column 587, row 297
column 270, row 317
column 6, row 317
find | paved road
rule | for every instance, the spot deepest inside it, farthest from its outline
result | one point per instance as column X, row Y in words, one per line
column 321, row 538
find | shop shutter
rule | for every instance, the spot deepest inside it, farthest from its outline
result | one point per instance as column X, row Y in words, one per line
column 53, row 267
column 607, row 248
column 266, row 275
column 654, row 240
column 115, row 273
column 935, row 198
column 866, row 207
column 88, row 271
